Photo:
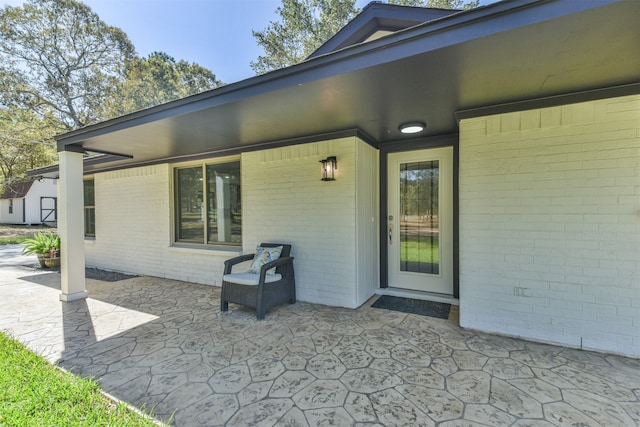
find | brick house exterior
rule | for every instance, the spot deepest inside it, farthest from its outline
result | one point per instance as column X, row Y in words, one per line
column 545, row 240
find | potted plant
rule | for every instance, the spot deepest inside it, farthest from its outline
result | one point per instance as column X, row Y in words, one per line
column 45, row 246
column 52, row 259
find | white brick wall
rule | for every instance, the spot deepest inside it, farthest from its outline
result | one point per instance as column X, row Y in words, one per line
column 367, row 226
column 550, row 224
column 133, row 229
column 284, row 200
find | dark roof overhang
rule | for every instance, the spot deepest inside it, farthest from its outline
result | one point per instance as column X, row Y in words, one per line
column 507, row 52
column 379, row 17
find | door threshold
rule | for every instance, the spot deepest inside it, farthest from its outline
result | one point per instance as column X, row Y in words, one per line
column 427, row 296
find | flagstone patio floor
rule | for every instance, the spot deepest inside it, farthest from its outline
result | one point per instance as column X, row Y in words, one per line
column 164, row 345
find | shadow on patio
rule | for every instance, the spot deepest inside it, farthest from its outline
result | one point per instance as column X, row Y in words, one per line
column 164, row 344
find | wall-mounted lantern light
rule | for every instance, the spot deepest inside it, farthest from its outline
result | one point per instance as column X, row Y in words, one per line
column 412, row 127
column 329, row 166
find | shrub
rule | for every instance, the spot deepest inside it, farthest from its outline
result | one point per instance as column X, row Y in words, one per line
column 42, row 243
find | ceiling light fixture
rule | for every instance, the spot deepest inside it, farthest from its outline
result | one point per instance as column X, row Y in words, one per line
column 412, row 127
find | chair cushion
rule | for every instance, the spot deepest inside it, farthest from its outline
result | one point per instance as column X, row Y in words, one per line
column 249, row 278
column 263, row 256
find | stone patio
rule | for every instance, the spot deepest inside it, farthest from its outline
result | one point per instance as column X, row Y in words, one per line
column 164, row 345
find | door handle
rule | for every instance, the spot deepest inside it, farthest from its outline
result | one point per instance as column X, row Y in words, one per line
column 390, row 233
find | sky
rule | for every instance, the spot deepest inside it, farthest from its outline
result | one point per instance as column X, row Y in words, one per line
column 216, row 34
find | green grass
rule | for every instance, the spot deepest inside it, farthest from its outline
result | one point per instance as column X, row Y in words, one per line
column 416, row 250
column 36, row 393
column 13, row 240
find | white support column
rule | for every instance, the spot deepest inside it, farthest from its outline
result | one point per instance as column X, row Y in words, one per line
column 70, row 226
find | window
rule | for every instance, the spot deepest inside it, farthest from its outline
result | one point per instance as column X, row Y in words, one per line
column 10, row 206
column 208, row 204
column 89, row 208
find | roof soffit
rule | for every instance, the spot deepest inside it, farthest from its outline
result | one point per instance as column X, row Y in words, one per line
column 426, row 72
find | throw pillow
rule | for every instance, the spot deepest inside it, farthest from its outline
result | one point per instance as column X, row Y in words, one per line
column 263, row 256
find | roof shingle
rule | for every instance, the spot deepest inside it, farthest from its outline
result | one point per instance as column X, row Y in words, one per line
column 16, row 190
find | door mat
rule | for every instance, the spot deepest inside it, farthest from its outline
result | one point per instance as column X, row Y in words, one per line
column 413, row 306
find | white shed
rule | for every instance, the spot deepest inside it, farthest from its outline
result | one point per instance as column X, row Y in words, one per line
column 29, row 202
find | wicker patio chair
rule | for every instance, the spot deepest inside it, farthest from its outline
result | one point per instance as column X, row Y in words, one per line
column 260, row 291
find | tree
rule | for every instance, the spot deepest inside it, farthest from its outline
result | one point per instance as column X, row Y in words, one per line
column 157, row 79
column 25, row 143
column 306, row 24
column 58, row 58
column 62, row 68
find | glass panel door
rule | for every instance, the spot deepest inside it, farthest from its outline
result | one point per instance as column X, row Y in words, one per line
column 420, row 220
column 419, row 232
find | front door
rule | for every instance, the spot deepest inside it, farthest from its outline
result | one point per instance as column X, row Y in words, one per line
column 420, row 220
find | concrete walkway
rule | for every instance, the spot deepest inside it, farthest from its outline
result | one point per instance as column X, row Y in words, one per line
column 164, row 345
column 11, row 255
